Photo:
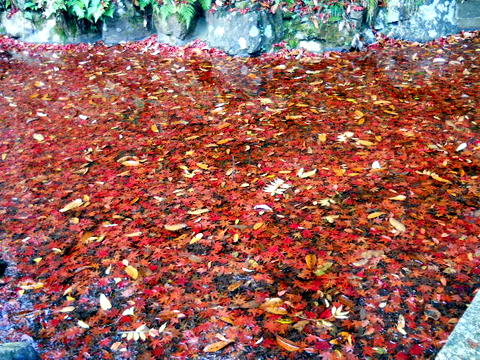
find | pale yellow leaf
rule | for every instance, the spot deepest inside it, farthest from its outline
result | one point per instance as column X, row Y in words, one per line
column 104, row 302
column 67, row 309
column 224, row 141
column 154, row 128
column 83, row 324
column 401, row 325
column 134, row 234
column 175, row 227
column 198, row 212
column 398, row 198
column 322, row 137
column 202, row 166
column 131, row 163
column 38, row 137
column 365, row 142
column 72, row 205
column 397, row 225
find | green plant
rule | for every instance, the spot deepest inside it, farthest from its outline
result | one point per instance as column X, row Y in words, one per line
column 91, row 10
column 185, row 11
column 372, row 8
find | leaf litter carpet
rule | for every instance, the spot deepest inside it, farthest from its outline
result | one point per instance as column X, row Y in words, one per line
column 175, row 203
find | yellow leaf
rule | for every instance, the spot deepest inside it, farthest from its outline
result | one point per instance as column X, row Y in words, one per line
column 398, row 197
column 196, row 238
column 438, row 178
column 375, row 214
column 359, row 114
column 322, row 137
column 277, row 310
column 311, row 261
column 361, row 121
column 224, row 141
column 365, row 142
column 154, row 128
column 72, row 205
column 202, row 166
column 257, row 225
column 397, row 225
column 175, row 227
column 339, row 172
column 132, row 272
column 236, row 237
column 219, row 345
column 104, row 302
column 287, row 344
column 38, row 137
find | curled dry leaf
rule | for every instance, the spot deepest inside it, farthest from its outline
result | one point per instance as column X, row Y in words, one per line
column 72, row 205
column 219, row 345
column 287, row 344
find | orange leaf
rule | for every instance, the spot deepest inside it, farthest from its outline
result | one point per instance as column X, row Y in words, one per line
column 154, row 128
column 216, row 346
column 257, row 225
column 311, row 260
column 287, row 344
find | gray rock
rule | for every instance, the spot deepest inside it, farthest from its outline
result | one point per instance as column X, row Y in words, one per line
column 18, row 351
column 126, row 24
column 243, row 34
column 464, row 342
column 467, row 15
column 171, row 30
column 17, row 25
column 430, row 21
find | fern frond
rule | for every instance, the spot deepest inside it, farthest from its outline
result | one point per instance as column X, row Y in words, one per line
column 205, row 4
column 372, row 6
column 186, row 13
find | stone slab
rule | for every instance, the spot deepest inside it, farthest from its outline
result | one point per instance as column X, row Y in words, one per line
column 18, row 351
column 468, row 14
column 464, row 342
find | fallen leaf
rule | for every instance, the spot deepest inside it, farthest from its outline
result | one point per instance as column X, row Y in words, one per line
column 397, row 225
column 287, row 344
column 38, row 137
column 219, row 345
column 72, row 205
column 104, row 302
column 175, row 227
column 132, row 272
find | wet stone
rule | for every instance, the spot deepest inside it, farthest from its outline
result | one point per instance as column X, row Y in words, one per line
column 464, row 342
column 18, row 351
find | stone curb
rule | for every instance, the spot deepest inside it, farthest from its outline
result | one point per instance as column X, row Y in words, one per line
column 464, row 342
column 18, row 351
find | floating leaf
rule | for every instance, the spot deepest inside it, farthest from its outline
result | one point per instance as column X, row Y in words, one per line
column 311, row 261
column 198, row 212
column 154, row 128
column 287, row 344
column 258, row 225
column 375, row 214
column 132, row 272
column 38, row 137
column 401, row 325
column 219, row 345
column 131, row 163
column 72, row 205
column 397, row 225
column 83, row 324
column 398, row 198
column 175, row 227
column 302, row 174
column 104, row 302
